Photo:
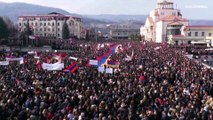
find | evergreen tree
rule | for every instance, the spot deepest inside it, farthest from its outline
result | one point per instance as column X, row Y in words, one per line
column 4, row 31
column 65, row 31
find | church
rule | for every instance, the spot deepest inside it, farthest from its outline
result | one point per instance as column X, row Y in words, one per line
column 166, row 24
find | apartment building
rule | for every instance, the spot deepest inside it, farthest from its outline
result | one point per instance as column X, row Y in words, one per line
column 50, row 25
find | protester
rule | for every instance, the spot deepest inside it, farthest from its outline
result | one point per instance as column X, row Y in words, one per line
column 155, row 84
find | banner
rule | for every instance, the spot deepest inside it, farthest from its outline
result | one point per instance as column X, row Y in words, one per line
column 31, row 52
column 52, row 67
column 4, row 62
column 32, row 37
column 74, row 58
column 101, row 69
column 93, row 62
column 14, row 59
column 109, row 70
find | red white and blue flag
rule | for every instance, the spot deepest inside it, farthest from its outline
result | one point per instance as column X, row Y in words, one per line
column 72, row 68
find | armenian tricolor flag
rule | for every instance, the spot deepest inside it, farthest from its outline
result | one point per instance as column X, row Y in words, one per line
column 72, row 68
column 113, row 64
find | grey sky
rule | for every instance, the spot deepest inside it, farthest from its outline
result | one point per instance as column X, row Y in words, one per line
column 192, row 9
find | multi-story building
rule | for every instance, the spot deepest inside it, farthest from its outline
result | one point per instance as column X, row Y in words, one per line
column 163, row 21
column 166, row 24
column 50, row 25
column 195, row 35
column 123, row 31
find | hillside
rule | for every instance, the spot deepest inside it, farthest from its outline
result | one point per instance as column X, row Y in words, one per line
column 13, row 10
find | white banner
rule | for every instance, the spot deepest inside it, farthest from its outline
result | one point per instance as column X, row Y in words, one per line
column 36, row 57
column 109, row 70
column 93, row 62
column 51, row 67
column 31, row 52
column 14, row 59
column 74, row 58
column 31, row 37
column 4, row 62
column 101, row 69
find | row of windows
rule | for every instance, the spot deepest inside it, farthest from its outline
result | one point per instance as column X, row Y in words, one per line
column 202, row 34
column 45, row 24
column 47, row 35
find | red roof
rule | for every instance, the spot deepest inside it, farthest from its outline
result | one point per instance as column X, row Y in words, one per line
column 178, row 36
column 173, row 18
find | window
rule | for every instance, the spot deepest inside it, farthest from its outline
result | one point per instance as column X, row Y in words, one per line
column 196, row 33
column 58, row 29
column 36, row 24
column 203, row 33
column 58, row 23
column 48, row 29
column 40, row 29
column 189, row 34
column 52, row 24
column 44, row 24
column 58, row 35
column 53, row 29
column 44, row 29
column 32, row 24
column 40, row 24
column 210, row 34
column 48, row 23
column 19, row 24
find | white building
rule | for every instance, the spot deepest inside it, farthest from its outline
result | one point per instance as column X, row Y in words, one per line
column 166, row 24
column 50, row 25
column 123, row 31
column 195, row 35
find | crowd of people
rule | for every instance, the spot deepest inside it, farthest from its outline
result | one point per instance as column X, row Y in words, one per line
column 174, row 86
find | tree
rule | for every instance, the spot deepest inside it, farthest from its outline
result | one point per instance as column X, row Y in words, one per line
column 65, row 31
column 4, row 31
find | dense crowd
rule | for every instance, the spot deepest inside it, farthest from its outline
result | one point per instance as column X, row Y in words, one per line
column 174, row 87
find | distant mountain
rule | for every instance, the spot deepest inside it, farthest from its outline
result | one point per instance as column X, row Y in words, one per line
column 118, row 18
column 13, row 10
column 201, row 22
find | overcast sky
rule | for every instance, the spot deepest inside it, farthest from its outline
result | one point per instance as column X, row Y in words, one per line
column 192, row 9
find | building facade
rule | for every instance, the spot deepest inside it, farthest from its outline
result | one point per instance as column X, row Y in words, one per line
column 50, row 25
column 123, row 31
column 166, row 24
column 163, row 21
column 195, row 35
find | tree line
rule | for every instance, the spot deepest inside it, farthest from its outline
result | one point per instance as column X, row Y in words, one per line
column 7, row 28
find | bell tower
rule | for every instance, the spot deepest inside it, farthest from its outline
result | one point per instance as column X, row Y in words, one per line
column 165, row 4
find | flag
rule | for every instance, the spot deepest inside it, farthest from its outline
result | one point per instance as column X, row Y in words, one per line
column 142, row 78
column 39, row 65
column 21, row 61
column 112, row 62
column 47, row 60
column 72, row 68
column 93, row 62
